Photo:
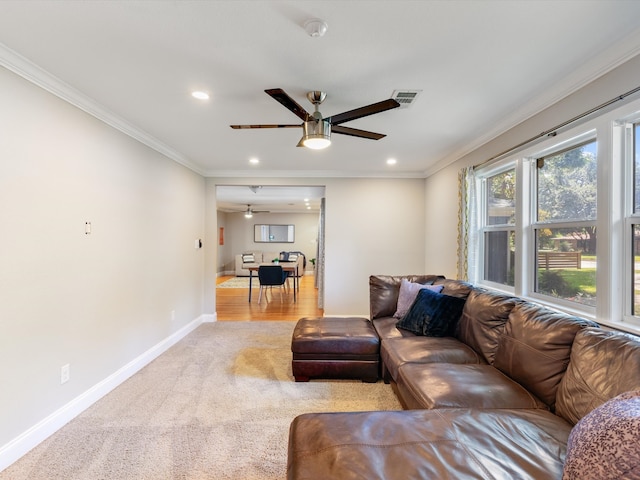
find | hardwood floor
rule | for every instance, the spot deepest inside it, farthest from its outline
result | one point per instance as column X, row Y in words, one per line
column 232, row 303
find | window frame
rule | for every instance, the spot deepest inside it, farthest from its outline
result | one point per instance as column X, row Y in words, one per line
column 484, row 227
column 572, row 143
column 631, row 218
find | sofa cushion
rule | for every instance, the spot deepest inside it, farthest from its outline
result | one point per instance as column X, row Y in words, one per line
column 417, row 349
column 467, row 386
column 603, row 364
column 483, row 320
column 454, row 288
column 408, row 293
column 429, row 444
column 604, row 443
column 535, row 347
column 432, row 314
column 386, row 328
column 384, row 290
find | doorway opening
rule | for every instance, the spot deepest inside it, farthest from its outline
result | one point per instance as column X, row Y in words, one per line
column 242, row 208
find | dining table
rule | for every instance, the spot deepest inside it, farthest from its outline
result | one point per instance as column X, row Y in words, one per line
column 286, row 266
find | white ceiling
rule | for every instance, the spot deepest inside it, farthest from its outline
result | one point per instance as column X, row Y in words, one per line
column 271, row 198
column 482, row 66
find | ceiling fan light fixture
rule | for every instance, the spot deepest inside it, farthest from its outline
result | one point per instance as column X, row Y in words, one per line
column 316, row 134
column 248, row 213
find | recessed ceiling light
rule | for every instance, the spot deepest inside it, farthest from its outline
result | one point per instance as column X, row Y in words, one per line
column 391, row 161
column 200, row 95
column 254, row 161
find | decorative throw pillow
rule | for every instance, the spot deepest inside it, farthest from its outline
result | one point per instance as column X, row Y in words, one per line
column 604, row 443
column 433, row 314
column 407, row 295
column 293, row 257
column 248, row 258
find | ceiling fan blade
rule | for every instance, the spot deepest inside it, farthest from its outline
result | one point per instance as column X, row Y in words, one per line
column 363, row 111
column 264, row 126
column 289, row 103
column 354, row 132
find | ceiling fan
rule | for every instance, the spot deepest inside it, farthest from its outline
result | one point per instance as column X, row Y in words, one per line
column 316, row 130
column 249, row 211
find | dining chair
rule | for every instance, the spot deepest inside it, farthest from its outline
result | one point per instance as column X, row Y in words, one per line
column 271, row 276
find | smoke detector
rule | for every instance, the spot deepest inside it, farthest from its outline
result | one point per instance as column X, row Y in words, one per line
column 316, row 27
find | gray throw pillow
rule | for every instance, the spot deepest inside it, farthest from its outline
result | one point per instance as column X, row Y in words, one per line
column 407, row 295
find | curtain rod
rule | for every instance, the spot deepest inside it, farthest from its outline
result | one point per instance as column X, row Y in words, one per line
column 552, row 131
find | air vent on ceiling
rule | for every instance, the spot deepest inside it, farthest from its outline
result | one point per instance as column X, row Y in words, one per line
column 405, row 97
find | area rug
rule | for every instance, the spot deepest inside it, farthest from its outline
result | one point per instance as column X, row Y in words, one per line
column 217, row 405
column 239, row 282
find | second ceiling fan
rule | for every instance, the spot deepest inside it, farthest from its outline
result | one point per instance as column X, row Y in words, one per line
column 316, row 130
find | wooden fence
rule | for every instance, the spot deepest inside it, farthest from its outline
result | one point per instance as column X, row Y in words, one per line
column 549, row 260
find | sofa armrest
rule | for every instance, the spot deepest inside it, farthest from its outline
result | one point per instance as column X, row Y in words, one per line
column 300, row 262
column 241, row 270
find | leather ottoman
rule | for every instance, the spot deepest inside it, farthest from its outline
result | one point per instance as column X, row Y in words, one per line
column 332, row 347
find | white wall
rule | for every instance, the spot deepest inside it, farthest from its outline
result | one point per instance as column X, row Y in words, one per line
column 373, row 226
column 95, row 301
column 441, row 188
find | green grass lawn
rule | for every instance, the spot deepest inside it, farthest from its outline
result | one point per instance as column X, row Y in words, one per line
column 568, row 282
column 583, row 280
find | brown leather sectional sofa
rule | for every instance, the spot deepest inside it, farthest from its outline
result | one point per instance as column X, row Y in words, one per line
column 497, row 400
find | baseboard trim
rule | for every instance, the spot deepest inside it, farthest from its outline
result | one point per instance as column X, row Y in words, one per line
column 209, row 318
column 29, row 439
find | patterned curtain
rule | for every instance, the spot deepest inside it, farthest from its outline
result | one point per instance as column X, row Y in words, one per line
column 467, row 225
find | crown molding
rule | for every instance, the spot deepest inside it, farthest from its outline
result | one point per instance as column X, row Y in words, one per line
column 31, row 72
column 308, row 174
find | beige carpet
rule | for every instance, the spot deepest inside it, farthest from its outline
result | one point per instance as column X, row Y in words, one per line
column 239, row 282
column 215, row 406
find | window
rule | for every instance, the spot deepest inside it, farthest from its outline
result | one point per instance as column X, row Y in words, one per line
column 498, row 234
column 635, row 224
column 631, row 253
column 559, row 220
column 565, row 224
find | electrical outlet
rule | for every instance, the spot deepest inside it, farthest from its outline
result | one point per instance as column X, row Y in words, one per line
column 173, row 315
column 64, row 374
